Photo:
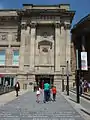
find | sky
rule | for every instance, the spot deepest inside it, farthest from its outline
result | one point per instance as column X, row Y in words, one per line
column 82, row 7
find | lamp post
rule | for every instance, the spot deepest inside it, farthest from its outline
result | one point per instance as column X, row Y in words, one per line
column 67, row 88
column 77, row 75
column 62, row 79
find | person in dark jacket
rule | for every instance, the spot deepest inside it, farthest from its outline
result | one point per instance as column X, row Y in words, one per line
column 17, row 88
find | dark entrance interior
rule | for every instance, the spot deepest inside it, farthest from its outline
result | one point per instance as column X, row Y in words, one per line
column 41, row 79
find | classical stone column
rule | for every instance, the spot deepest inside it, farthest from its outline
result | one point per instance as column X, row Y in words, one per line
column 83, row 43
column 9, row 51
column 62, row 46
column 68, row 45
column 32, row 46
column 22, row 48
column 57, row 51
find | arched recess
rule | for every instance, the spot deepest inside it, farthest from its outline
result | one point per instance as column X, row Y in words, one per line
column 46, row 43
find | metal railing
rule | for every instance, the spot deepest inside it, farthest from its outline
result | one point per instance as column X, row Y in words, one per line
column 6, row 89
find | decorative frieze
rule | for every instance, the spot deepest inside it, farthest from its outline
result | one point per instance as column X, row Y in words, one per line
column 8, row 18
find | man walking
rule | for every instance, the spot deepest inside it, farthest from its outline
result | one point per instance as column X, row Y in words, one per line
column 17, row 88
column 46, row 92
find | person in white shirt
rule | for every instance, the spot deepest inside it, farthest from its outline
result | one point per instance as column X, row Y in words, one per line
column 38, row 95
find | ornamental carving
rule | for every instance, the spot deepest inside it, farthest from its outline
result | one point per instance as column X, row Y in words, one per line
column 3, row 36
column 45, row 50
column 46, row 43
column 23, row 26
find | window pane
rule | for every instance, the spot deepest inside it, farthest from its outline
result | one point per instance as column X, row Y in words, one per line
column 16, row 57
column 2, row 57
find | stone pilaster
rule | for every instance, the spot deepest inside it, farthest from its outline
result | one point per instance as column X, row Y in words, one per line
column 62, row 46
column 57, row 51
column 32, row 46
column 9, row 51
column 68, row 45
column 22, row 48
column 27, row 47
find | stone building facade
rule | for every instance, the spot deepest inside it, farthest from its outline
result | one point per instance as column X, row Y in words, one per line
column 35, row 43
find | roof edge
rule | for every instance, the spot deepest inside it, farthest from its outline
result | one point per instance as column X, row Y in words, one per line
column 41, row 5
column 82, row 20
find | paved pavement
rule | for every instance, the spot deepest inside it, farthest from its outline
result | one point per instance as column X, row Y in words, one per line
column 25, row 108
column 83, row 107
column 83, row 102
column 5, row 98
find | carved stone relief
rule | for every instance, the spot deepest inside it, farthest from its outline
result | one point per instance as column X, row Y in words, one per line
column 44, row 47
column 3, row 36
column 44, row 54
column 46, row 43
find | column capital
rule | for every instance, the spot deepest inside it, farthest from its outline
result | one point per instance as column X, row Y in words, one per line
column 33, row 25
column 67, row 26
column 57, row 25
column 62, row 24
column 23, row 26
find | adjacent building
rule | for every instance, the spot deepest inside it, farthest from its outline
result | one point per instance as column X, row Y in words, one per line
column 81, row 43
column 35, row 44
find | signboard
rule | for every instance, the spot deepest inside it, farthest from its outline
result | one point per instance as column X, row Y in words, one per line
column 84, row 65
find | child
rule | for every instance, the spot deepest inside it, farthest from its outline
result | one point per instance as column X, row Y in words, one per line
column 54, row 91
column 37, row 95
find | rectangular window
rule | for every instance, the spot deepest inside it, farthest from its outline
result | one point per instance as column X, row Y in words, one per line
column 16, row 57
column 2, row 57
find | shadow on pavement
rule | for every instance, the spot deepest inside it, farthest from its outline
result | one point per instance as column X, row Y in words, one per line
column 85, row 112
column 72, row 100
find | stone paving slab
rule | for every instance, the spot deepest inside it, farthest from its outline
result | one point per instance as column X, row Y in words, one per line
column 5, row 98
column 25, row 108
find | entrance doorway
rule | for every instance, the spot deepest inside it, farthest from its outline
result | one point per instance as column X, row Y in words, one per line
column 41, row 79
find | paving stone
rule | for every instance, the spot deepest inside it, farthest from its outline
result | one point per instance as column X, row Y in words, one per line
column 26, row 108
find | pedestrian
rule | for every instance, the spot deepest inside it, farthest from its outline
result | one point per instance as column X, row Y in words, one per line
column 54, row 91
column 46, row 92
column 85, row 86
column 38, row 95
column 17, row 88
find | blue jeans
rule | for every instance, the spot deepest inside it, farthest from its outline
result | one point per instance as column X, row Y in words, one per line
column 46, row 95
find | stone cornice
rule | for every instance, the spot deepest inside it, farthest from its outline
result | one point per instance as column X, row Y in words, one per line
column 38, row 12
